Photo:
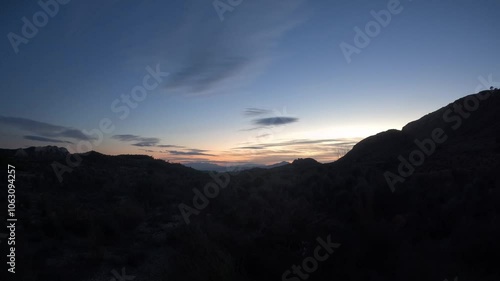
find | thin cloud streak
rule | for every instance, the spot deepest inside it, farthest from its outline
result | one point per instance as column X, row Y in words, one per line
column 252, row 111
column 193, row 152
column 170, row 146
column 275, row 121
column 43, row 129
column 332, row 142
column 126, row 137
column 44, row 139
column 323, row 150
column 146, row 143
column 213, row 60
column 143, row 141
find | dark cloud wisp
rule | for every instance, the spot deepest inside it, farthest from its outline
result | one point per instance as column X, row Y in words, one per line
column 140, row 141
column 194, row 152
column 211, row 59
column 252, row 111
column 143, row 141
column 302, row 142
column 43, row 129
column 44, row 139
column 275, row 121
column 126, row 137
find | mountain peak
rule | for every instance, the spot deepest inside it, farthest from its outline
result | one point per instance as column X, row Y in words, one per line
column 468, row 121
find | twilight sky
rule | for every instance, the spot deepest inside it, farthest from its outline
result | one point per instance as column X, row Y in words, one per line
column 242, row 81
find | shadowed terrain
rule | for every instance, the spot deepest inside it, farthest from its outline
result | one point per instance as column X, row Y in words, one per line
column 110, row 212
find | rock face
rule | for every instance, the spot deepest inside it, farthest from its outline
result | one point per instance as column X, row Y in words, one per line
column 380, row 147
column 469, row 123
column 112, row 212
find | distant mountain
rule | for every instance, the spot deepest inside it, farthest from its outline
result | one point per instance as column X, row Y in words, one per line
column 282, row 163
column 207, row 166
column 305, row 163
column 39, row 153
column 441, row 220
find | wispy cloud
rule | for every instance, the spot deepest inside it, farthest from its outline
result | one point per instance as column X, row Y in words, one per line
column 323, row 150
column 147, row 143
column 275, row 121
column 212, row 57
column 251, row 147
column 140, row 141
column 143, row 141
column 43, row 129
column 152, row 142
column 298, row 142
column 181, row 159
column 169, row 146
column 193, row 152
column 44, row 139
column 256, row 111
column 126, row 137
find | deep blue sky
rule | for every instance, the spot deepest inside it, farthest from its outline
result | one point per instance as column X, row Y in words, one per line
column 267, row 83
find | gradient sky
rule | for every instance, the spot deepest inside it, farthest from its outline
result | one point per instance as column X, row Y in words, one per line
column 268, row 83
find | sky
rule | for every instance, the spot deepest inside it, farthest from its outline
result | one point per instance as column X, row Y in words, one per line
column 235, row 81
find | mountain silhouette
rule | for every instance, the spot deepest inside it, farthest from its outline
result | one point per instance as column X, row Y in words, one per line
column 440, row 219
column 476, row 130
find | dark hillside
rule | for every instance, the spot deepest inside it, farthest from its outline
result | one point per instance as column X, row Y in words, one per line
column 389, row 218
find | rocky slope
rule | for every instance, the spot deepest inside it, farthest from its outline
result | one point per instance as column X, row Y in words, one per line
column 114, row 212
